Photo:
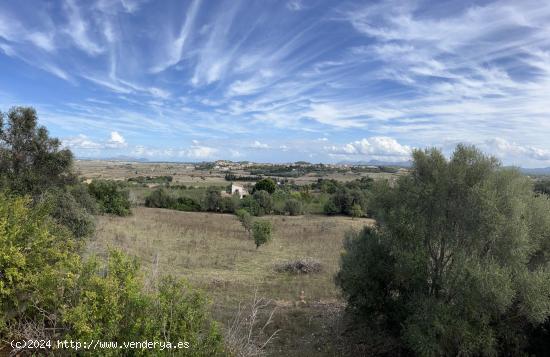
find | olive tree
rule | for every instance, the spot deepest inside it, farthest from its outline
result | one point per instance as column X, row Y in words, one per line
column 459, row 264
column 30, row 160
column 262, row 232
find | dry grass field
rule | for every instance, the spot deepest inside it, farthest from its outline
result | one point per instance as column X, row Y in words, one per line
column 215, row 253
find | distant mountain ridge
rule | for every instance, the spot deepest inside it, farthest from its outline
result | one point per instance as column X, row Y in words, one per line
column 405, row 164
column 536, row 171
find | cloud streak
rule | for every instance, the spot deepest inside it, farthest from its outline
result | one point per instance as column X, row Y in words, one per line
column 420, row 73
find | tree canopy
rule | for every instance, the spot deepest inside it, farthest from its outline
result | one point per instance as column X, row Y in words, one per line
column 459, row 261
column 31, row 161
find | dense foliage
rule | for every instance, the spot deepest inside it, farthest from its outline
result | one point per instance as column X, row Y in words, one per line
column 293, row 207
column 265, row 184
column 112, row 197
column 542, row 186
column 37, row 254
column 459, row 264
column 163, row 198
column 31, row 161
column 262, row 232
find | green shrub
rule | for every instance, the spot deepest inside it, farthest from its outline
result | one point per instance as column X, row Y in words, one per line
column 163, row 198
column 109, row 304
column 293, row 207
column 160, row 198
column 356, row 211
column 245, row 218
column 262, row 232
column 266, row 184
column 459, row 264
column 251, row 205
column 39, row 263
column 83, row 197
column 230, row 204
column 186, row 204
column 111, row 197
column 212, row 199
column 68, row 212
column 265, row 202
column 330, row 208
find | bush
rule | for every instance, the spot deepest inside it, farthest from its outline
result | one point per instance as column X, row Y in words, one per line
column 330, row 208
column 356, row 211
column 251, row 205
column 265, row 202
column 456, row 265
column 186, row 204
column 245, row 218
column 262, row 232
column 39, row 263
column 293, row 207
column 230, row 204
column 111, row 197
column 83, row 197
column 299, row 266
column 109, row 304
column 159, row 198
column 266, row 184
column 212, row 199
column 162, row 198
column 68, row 212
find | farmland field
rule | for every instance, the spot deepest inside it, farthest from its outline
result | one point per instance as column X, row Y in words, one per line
column 214, row 252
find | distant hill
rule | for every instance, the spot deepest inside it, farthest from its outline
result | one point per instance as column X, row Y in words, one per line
column 536, row 171
column 405, row 164
column 116, row 158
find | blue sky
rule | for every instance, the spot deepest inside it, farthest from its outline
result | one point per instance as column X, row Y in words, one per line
column 280, row 81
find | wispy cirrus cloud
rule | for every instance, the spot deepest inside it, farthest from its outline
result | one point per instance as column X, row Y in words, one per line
column 233, row 73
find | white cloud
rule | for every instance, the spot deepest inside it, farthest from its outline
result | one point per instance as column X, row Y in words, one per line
column 199, row 152
column 377, row 147
column 294, row 5
column 81, row 142
column 78, row 30
column 505, row 149
column 160, row 93
column 116, row 141
column 42, row 40
column 258, row 145
column 329, row 115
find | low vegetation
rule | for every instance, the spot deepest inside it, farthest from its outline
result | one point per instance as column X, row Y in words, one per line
column 299, row 266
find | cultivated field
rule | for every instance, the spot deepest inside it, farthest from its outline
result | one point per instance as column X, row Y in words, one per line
column 214, row 252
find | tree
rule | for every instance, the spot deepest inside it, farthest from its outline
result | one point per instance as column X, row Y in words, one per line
column 31, row 161
column 111, row 196
column 251, row 205
column 230, row 204
column 245, row 218
column 212, row 199
column 356, row 211
column 266, row 184
column 460, row 261
column 265, row 202
column 262, row 232
column 293, row 207
column 330, row 208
